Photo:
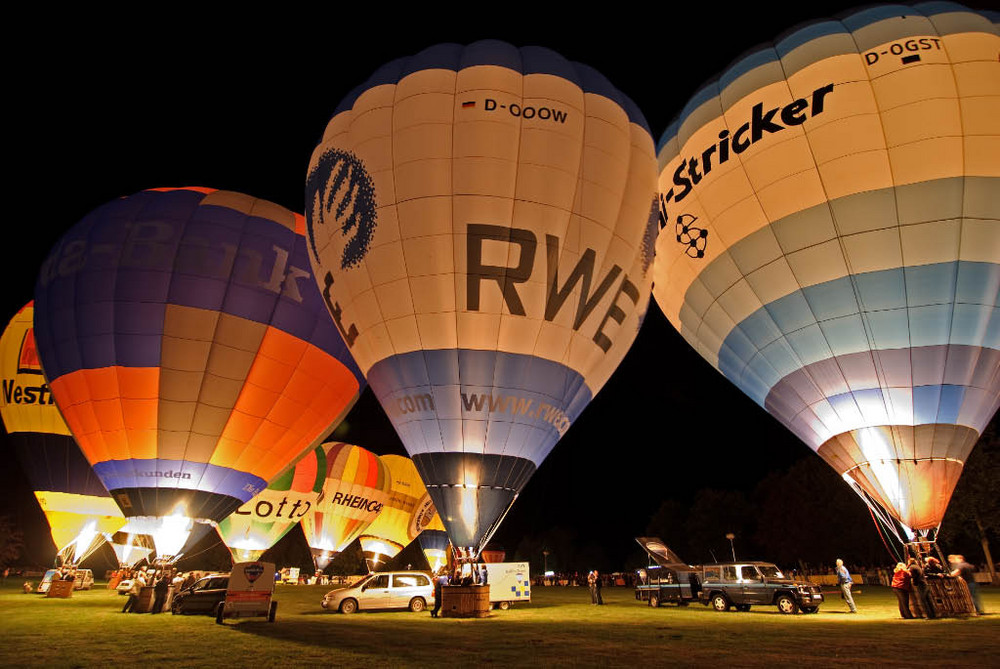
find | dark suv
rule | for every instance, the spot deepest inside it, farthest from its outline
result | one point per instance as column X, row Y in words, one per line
column 202, row 597
column 745, row 584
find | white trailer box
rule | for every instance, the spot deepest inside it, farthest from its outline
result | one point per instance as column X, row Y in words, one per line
column 250, row 592
column 509, row 582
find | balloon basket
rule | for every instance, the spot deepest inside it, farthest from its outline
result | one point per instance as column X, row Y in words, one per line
column 465, row 601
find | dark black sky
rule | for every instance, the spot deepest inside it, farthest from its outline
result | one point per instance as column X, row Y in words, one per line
column 96, row 110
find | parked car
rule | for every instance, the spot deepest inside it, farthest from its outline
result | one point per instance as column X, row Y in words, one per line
column 744, row 584
column 411, row 590
column 202, row 597
column 83, row 579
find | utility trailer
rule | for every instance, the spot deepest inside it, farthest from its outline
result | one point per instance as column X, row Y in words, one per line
column 250, row 592
column 667, row 578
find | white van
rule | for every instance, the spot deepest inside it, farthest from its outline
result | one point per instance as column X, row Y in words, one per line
column 411, row 590
column 84, row 580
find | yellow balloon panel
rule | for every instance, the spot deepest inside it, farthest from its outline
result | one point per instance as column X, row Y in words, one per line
column 399, row 522
column 70, row 515
column 27, row 404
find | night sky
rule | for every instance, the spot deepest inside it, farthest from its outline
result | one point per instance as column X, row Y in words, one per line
column 239, row 101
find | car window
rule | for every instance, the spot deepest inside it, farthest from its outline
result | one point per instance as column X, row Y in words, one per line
column 729, row 573
column 749, row 573
column 711, row 574
column 770, row 571
column 380, row 581
column 409, row 580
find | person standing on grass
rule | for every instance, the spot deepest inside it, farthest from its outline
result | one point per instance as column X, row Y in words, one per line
column 967, row 573
column 902, row 588
column 440, row 581
column 592, row 586
column 160, row 590
column 920, row 589
column 597, row 588
column 133, row 593
column 845, row 582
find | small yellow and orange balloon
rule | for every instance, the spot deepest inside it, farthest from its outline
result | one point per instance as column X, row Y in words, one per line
column 260, row 523
column 356, row 486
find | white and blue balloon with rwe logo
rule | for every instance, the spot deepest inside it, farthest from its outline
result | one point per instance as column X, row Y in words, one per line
column 481, row 220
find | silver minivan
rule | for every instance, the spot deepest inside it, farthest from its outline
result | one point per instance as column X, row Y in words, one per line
column 411, row 590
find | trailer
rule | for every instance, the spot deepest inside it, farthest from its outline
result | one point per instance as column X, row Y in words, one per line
column 667, row 578
column 510, row 583
column 250, row 592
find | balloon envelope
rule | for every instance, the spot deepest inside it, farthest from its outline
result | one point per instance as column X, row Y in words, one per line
column 264, row 520
column 75, row 503
column 407, row 511
column 189, row 350
column 356, row 485
column 832, row 243
column 480, row 225
column 434, row 544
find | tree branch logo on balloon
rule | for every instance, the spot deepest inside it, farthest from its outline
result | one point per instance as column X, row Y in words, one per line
column 340, row 191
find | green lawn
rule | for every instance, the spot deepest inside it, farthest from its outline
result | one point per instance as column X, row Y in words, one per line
column 559, row 627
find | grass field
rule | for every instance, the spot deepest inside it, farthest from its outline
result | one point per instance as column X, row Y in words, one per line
column 560, row 626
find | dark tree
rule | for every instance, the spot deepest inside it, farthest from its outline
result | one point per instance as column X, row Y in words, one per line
column 11, row 541
column 808, row 513
column 713, row 515
column 973, row 516
column 668, row 523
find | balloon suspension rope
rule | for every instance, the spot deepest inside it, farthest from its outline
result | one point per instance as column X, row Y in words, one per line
column 881, row 536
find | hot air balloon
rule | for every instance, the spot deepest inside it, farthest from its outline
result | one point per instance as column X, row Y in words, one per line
column 407, row 510
column 76, row 505
column 356, row 485
column 482, row 222
column 190, row 352
column 264, row 520
column 435, row 546
column 130, row 546
column 832, row 244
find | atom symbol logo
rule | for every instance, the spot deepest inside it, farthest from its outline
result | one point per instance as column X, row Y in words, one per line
column 691, row 236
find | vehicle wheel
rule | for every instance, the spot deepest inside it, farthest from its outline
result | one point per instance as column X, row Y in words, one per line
column 272, row 612
column 787, row 605
column 810, row 609
column 654, row 601
column 417, row 604
column 503, row 606
column 720, row 603
column 175, row 608
column 743, row 607
column 218, row 612
column 682, row 602
column 348, row 606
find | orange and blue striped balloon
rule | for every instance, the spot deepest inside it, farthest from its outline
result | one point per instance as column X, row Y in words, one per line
column 189, row 349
